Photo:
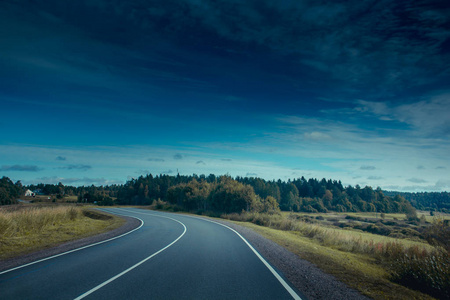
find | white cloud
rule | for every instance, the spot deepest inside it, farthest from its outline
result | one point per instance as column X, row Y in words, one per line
column 417, row 180
column 271, row 156
column 428, row 117
column 369, row 168
column 443, row 184
column 73, row 181
column 21, row 168
column 316, row 136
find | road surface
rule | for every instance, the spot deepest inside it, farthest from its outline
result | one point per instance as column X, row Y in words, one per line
column 170, row 256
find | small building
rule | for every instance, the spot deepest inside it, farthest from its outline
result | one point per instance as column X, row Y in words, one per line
column 29, row 193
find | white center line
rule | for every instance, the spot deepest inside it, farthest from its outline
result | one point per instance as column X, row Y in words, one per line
column 74, row 250
column 134, row 266
column 271, row 269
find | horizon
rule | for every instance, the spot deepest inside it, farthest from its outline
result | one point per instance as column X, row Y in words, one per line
column 98, row 93
column 234, row 178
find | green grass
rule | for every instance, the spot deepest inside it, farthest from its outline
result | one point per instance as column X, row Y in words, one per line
column 32, row 228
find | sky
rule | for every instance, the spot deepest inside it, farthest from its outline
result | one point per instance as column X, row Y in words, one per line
column 102, row 91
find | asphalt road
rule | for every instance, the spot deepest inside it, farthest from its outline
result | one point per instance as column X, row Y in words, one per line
column 170, row 256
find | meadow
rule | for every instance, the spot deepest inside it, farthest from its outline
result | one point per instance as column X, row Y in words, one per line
column 28, row 228
column 384, row 258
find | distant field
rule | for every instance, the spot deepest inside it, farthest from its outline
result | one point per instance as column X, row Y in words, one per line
column 373, row 216
column 50, row 199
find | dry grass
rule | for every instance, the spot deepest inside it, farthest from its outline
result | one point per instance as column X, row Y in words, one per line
column 401, row 260
column 341, row 239
column 359, row 271
column 33, row 228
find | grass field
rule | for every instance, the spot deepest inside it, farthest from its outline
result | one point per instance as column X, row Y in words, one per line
column 28, row 228
column 371, row 263
column 50, row 199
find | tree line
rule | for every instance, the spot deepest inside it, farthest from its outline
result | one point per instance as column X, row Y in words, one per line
column 225, row 194
column 10, row 191
column 432, row 201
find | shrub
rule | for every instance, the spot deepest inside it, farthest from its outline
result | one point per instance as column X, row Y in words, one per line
column 427, row 273
column 438, row 234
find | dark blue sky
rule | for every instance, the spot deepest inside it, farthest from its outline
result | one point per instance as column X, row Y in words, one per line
column 102, row 91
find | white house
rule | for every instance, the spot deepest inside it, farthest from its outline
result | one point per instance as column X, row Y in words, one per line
column 29, row 193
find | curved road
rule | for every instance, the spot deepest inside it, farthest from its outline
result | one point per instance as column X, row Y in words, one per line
column 170, row 256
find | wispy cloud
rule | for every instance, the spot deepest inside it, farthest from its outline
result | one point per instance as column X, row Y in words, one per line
column 156, row 159
column 77, row 167
column 76, row 181
column 62, row 158
column 417, row 180
column 316, row 136
column 416, row 114
column 178, row 156
column 21, row 168
column 367, row 168
column 251, row 174
column 443, row 184
column 440, row 185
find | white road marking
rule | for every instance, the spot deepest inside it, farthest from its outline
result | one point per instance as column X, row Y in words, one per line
column 136, row 265
column 271, row 269
column 74, row 250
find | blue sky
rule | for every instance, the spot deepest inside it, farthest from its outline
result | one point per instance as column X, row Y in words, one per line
column 98, row 92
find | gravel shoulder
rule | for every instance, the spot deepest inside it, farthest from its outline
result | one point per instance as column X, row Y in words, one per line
column 312, row 282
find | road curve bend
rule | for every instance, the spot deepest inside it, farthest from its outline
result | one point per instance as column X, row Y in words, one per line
column 170, row 256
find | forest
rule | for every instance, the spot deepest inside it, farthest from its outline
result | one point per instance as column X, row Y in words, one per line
column 222, row 194
column 226, row 194
column 432, row 201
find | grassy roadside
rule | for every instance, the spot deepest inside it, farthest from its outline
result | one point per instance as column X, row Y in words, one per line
column 356, row 270
column 384, row 256
column 33, row 228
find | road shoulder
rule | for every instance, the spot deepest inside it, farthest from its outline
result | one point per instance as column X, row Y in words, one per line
column 303, row 275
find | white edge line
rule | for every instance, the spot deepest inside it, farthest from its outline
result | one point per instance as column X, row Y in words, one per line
column 271, row 269
column 136, row 265
column 74, row 250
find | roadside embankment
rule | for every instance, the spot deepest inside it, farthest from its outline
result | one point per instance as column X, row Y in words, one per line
column 31, row 233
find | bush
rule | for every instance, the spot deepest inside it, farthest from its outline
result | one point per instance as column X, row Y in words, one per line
column 438, row 234
column 159, row 204
column 427, row 273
